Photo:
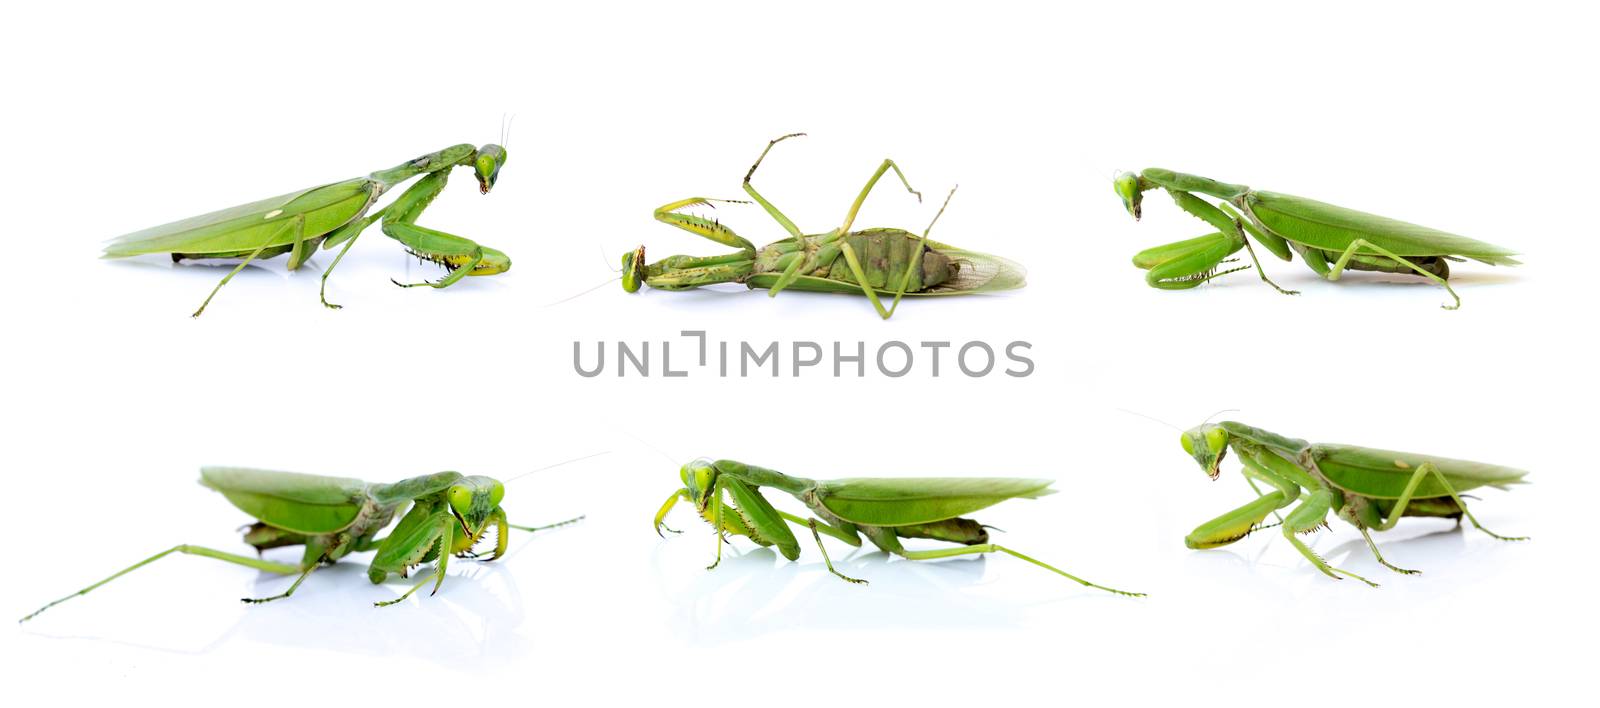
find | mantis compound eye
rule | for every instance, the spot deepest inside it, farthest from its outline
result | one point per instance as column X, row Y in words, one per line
column 1188, row 446
column 497, row 492
column 460, row 498
column 1216, row 439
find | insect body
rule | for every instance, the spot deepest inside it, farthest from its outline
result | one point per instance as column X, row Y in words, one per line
column 1328, row 238
column 332, row 214
column 728, row 495
column 332, row 517
column 1369, row 488
column 869, row 262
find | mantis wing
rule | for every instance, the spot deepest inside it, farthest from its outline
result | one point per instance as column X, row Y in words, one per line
column 1334, row 228
column 247, row 226
column 874, row 501
column 303, row 503
column 1383, row 474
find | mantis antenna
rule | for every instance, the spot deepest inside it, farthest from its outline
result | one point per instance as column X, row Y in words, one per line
column 558, row 464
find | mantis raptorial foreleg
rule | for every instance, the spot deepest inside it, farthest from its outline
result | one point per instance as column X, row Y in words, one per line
column 298, row 224
column 248, row 562
column 1228, row 225
column 460, row 254
column 1308, row 517
column 701, row 226
column 1422, row 471
column 1358, row 244
column 445, row 540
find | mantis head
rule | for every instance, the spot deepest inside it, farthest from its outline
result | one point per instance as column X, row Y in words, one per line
column 700, row 481
column 473, row 500
column 633, row 271
column 1208, row 444
column 487, row 166
column 1127, row 187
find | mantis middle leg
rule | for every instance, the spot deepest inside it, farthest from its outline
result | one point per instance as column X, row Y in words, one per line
column 248, row 562
column 1308, row 517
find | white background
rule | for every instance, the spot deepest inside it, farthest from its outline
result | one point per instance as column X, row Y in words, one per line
column 123, row 116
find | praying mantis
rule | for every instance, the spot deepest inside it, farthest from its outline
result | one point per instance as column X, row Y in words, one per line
column 885, row 510
column 333, row 214
column 869, row 262
column 332, row 517
column 1330, row 239
column 1371, row 489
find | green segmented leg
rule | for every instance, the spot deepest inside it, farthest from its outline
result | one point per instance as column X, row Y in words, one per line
column 1377, row 554
column 826, row 528
column 248, row 562
column 1307, row 517
column 1226, row 224
column 1236, row 524
column 812, row 524
column 357, row 226
column 1404, row 500
column 854, row 263
column 716, row 519
column 997, row 548
column 703, row 227
column 445, row 541
column 298, row 223
column 770, row 209
column 1356, row 245
column 661, row 515
column 399, row 223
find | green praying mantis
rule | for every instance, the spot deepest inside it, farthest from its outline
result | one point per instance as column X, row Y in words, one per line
column 1371, row 489
column 332, row 517
column 1330, row 239
column 727, row 494
column 870, row 262
column 334, row 214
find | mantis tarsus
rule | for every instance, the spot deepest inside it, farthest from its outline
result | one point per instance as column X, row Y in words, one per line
column 727, row 494
column 1330, row 239
column 1369, row 488
column 333, row 214
column 868, row 262
column 335, row 516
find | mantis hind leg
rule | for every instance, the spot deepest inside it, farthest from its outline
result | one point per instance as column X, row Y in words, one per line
column 298, row 223
column 1422, row 471
column 1308, row 517
column 860, row 274
column 997, row 548
column 1358, row 244
column 248, row 562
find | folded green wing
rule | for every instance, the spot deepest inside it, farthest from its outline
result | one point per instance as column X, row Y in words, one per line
column 303, row 503
column 874, row 501
column 1383, row 474
column 249, row 226
column 1334, row 228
